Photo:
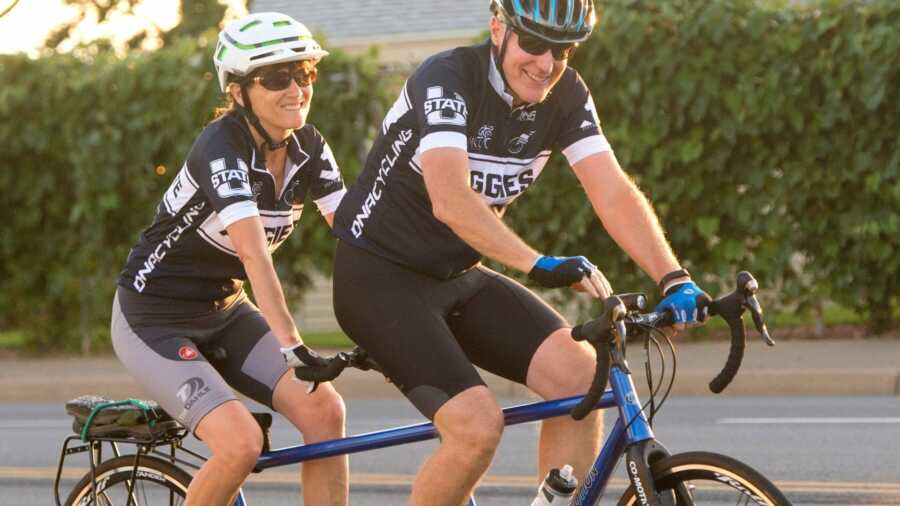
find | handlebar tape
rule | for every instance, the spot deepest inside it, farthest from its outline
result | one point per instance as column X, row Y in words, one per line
column 729, row 307
column 601, row 376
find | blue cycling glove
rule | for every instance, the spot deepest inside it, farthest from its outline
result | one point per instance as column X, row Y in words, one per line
column 687, row 302
column 558, row 272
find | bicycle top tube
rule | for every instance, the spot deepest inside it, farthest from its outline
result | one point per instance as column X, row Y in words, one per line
column 512, row 415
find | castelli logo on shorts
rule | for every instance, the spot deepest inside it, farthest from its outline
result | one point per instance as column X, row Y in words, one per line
column 187, row 353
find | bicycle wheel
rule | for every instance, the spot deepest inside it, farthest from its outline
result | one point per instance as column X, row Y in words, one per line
column 708, row 478
column 156, row 482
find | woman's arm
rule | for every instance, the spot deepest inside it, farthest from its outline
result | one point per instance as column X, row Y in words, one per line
column 249, row 240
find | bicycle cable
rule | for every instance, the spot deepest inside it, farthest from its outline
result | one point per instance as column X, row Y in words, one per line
column 654, row 407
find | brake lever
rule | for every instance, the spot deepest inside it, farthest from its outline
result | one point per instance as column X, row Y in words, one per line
column 749, row 287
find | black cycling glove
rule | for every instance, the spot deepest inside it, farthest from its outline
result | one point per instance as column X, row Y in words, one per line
column 299, row 355
column 558, row 272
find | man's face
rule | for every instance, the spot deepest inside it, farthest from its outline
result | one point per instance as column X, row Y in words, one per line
column 529, row 77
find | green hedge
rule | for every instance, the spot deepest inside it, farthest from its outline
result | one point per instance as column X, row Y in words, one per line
column 766, row 138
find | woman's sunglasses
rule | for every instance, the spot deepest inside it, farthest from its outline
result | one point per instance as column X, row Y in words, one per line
column 536, row 46
column 280, row 79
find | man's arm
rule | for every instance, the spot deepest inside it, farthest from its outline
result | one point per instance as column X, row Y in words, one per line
column 446, row 174
column 627, row 215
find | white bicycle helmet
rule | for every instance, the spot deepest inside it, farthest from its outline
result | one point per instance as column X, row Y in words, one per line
column 261, row 39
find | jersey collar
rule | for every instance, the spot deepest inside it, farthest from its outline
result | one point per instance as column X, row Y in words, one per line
column 496, row 80
column 297, row 158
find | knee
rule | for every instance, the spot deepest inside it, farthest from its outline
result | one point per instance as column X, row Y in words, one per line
column 475, row 427
column 564, row 369
column 242, row 449
column 330, row 409
column 322, row 416
column 483, row 433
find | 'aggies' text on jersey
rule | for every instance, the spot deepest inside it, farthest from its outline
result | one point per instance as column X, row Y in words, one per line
column 186, row 253
column 457, row 99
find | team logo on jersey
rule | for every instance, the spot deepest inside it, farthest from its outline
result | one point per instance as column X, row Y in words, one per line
column 441, row 110
column 517, row 144
column 257, row 189
column 187, row 353
column 483, row 137
column 162, row 248
column 592, row 109
column 230, row 182
column 293, row 195
column 498, row 186
column 332, row 169
column 528, row 115
column 191, row 391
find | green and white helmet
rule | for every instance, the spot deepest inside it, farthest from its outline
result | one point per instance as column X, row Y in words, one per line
column 261, row 39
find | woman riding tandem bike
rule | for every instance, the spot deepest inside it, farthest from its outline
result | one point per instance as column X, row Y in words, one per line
column 236, row 199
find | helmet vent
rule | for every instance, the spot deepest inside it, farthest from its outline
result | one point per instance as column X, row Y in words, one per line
column 264, row 55
column 281, row 23
column 250, row 25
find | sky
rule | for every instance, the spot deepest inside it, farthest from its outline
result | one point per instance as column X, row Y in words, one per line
column 24, row 28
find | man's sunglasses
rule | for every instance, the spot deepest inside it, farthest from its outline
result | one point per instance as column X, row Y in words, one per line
column 537, row 46
column 280, row 79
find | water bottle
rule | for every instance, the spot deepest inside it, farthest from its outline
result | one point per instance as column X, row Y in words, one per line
column 557, row 488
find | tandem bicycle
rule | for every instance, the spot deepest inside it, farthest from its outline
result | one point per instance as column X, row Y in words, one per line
column 154, row 472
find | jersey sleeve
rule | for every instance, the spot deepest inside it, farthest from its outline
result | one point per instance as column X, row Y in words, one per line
column 218, row 166
column 581, row 135
column 437, row 96
column 327, row 188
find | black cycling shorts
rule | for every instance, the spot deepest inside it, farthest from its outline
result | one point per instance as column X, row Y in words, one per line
column 426, row 333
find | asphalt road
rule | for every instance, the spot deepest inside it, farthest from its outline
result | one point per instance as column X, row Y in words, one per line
column 820, row 450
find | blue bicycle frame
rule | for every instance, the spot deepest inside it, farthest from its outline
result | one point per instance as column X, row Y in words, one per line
column 622, row 395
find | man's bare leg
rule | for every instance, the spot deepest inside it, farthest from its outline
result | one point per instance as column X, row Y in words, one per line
column 560, row 368
column 470, row 425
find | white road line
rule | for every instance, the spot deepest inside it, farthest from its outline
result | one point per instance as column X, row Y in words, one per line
column 810, row 420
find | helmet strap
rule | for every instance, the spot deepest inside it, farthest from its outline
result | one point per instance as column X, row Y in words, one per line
column 499, row 54
column 247, row 111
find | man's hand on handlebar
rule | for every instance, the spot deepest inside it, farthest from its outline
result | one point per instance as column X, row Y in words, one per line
column 687, row 303
column 577, row 272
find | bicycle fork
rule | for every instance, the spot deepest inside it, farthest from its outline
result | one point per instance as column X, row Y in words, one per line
column 632, row 436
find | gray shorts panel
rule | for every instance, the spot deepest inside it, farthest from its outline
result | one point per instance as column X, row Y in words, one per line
column 188, row 389
column 157, row 340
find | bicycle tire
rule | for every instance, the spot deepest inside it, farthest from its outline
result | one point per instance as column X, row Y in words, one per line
column 711, row 479
column 157, row 482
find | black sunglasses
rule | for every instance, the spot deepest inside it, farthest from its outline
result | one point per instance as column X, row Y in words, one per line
column 280, row 78
column 537, row 46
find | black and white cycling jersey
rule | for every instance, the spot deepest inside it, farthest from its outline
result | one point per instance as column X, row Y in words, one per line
column 457, row 99
column 186, row 253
